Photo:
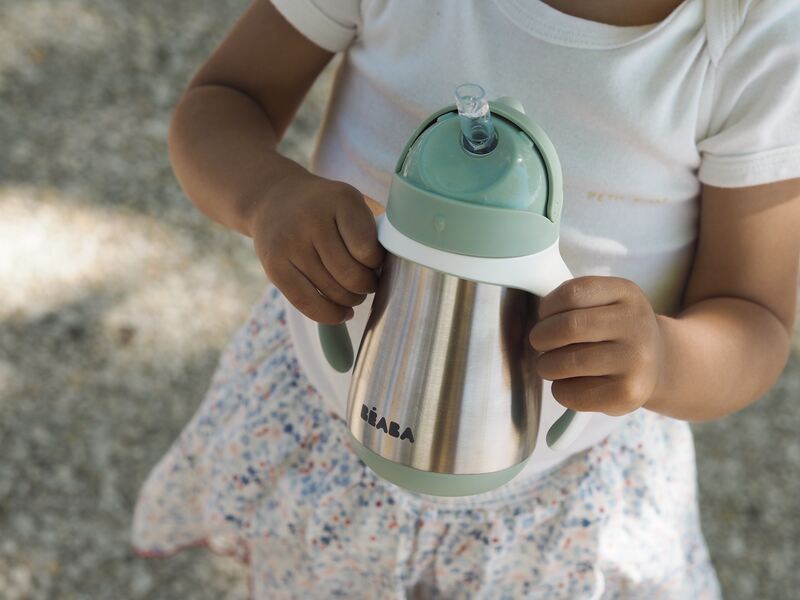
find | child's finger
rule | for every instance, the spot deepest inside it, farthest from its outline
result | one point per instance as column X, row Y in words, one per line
column 310, row 264
column 585, row 393
column 607, row 394
column 596, row 324
column 585, row 292
column 304, row 295
column 359, row 233
column 350, row 273
column 583, row 360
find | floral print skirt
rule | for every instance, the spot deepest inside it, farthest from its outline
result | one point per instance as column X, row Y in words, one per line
column 264, row 472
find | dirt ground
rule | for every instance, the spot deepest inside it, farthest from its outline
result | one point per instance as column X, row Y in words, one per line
column 116, row 297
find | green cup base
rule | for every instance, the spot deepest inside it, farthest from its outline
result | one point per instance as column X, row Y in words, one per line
column 435, row 484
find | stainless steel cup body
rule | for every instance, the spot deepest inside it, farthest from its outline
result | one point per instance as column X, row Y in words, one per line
column 444, row 378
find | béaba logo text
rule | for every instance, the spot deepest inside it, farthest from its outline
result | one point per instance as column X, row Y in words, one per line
column 393, row 429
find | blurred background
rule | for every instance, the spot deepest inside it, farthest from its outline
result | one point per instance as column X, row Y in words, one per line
column 116, row 297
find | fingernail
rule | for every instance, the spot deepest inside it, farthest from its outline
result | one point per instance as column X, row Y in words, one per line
column 349, row 315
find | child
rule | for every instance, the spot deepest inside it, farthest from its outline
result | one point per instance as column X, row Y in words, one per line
column 678, row 129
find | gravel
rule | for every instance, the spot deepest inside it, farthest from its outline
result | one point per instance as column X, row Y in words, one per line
column 117, row 297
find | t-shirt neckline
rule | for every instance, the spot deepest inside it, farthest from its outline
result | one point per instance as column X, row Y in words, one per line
column 547, row 23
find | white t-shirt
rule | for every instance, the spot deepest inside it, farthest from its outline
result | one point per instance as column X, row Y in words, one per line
column 639, row 116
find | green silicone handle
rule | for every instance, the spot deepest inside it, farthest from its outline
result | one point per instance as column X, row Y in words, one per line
column 336, row 346
column 558, row 428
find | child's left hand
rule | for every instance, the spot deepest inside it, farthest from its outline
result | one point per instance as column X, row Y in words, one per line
column 601, row 345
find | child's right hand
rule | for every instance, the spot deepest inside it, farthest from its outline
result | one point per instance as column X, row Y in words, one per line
column 315, row 235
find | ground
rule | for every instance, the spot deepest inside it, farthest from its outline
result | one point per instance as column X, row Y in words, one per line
column 116, row 297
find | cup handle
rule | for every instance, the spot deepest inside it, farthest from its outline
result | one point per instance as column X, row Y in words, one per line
column 336, row 346
column 569, row 426
column 335, row 339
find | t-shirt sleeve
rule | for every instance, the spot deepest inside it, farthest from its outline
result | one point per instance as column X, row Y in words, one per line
column 330, row 24
column 754, row 128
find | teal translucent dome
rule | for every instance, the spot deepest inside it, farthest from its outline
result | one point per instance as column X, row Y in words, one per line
column 513, row 175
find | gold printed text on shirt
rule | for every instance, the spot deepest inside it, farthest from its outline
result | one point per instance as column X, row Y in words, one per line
column 608, row 197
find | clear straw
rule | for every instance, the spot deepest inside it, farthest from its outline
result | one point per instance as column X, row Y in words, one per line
column 478, row 134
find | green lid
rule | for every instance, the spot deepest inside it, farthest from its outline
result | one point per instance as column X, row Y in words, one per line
column 503, row 202
column 512, row 175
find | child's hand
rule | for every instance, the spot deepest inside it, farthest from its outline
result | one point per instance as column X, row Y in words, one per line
column 601, row 345
column 313, row 234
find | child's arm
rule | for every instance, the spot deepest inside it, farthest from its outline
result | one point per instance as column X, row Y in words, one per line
column 310, row 233
column 606, row 351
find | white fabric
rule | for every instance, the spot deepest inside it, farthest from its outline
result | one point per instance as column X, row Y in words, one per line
column 753, row 133
column 640, row 116
column 331, row 25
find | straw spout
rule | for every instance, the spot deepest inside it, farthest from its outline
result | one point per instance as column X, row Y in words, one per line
column 478, row 134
